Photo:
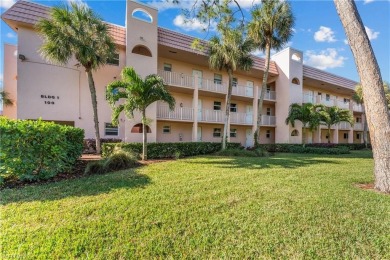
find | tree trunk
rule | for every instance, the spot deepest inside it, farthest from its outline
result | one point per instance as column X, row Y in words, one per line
column 144, row 137
column 263, row 90
column 378, row 118
column 92, row 89
column 329, row 134
column 303, row 135
column 227, row 114
column 365, row 131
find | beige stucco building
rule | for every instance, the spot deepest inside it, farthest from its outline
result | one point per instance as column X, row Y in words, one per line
column 61, row 93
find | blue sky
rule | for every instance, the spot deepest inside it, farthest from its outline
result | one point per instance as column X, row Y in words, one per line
column 318, row 30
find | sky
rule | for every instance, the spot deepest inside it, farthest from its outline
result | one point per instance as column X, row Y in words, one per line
column 318, row 32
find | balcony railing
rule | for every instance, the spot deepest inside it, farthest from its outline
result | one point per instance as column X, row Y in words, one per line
column 269, row 95
column 308, row 98
column 211, row 85
column 358, row 126
column 268, row 120
column 177, row 79
column 179, row 113
column 357, row 107
column 344, row 126
column 241, row 118
column 205, row 115
column 343, row 105
column 243, row 91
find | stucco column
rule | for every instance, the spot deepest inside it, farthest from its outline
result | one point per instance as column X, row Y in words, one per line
column 335, row 135
column 256, row 90
column 195, row 111
column 350, row 135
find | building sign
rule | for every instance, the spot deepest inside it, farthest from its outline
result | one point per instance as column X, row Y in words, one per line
column 49, row 99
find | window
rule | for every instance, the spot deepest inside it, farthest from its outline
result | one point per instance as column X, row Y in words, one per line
column 294, row 133
column 358, row 120
column 235, row 82
column 217, row 105
column 268, row 111
column 167, row 67
column 327, row 97
column 166, row 129
column 233, row 132
column 137, row 129
column 217, row 132
column 346, row 100
column 217, row 78
column 114, row 60
column 319, row 94
column 233, row 108
column 110, row 129
column 142, row 15
column 268, row 88
column 295, row 81
column 345, row 135
column 358, row 136
column 268, row 134
column 142, row 50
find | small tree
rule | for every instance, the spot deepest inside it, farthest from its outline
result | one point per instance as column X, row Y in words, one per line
column 77, row 31
column 307, row 114
column 5, row 98
column 137, row 94
column 271, row 28
column 333, row 115
column 230, row 52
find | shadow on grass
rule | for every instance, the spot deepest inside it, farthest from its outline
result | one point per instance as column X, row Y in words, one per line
column 84, row 186
column 295, row 161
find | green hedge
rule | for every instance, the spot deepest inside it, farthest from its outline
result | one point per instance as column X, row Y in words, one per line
column 33, row 150
column 167, row 150
column 310, row 148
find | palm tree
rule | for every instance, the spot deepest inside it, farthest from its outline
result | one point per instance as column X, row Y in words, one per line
column 76, row 31
column 138, row 94
column 230, row 52
column 333, row 115
column 307, row 114
column 271, row 28
column 5, row 98
column 378, row 117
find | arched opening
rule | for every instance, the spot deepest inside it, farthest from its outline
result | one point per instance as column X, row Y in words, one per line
column 142, row 50
column 296, row 57
column 295, row 132
column 142, row 15
column 295, row 81
column 137, row 129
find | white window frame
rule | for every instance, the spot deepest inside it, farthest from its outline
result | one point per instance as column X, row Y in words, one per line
column 217, row 78
column 217, row 105
column 268, row 134
column 217, row 132
column 168, row 67
column 233, row 107
column 114, row 61
column 268, row 111
column 166, row 127
column 110, row 127
column 233, row 132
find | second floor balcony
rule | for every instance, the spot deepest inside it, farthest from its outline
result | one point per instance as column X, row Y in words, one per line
column 177, row 79
column 268, row 120
column 179, row 113
column 269, row 95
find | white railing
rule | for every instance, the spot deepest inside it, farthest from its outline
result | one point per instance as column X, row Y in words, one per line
column 308, row 98
column 269, row 95
column 179, row 113
column 344, row 126
column 210, row 85
column 357, row 107
column 176, row 79
column 268, row 120
column 358, row 126
column 241, row 118
column 242, row 91
column 328, row 103
column 342, row 104
column 205, row 115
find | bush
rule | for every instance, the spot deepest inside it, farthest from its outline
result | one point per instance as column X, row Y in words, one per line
column 301, row 149
column 309, row 148
column 34, row 150
column 167, row 150
column 90, row 144
column 95, row 167
column 119, row 161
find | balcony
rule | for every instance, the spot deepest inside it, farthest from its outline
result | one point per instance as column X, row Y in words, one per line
column 308, row 98
column 344, row 126
column 357, row 107
column 177, row 79
column 342, row 104
column 243, row 91
column 210, row 116
column 179, row 113
column 269, row 95
column 358, row 127
column 241, row 118
column 268, row 120
column 211, row 85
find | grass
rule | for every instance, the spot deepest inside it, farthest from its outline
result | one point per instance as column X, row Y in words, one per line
column 285, row 206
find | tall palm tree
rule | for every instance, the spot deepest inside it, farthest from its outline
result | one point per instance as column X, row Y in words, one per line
column 230, row 52
column 271, row 27
column 137, row 94
column 76, row 31
column 333, row 115
column 307, row 114
column 5, row 98
column 378, row 117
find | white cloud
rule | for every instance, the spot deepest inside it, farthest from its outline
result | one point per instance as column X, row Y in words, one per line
column 324, row 34
column 325, row 59
column 77, row 2
column 192, row 24
column 346, row 42
column 6, row 3
column 368, row 1
column 245, row 4
column 10, row 35
column 371, row 34
column 163, row 5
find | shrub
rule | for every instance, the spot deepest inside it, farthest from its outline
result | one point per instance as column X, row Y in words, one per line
column 33, row 150
column 90, row 144
column 301, row 149
column 95, row 167
column 168, row 150
column 119, row 161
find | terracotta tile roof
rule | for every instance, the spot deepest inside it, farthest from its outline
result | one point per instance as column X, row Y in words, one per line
column 324, row 76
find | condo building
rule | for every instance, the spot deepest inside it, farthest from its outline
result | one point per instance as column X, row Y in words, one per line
column 61, row 93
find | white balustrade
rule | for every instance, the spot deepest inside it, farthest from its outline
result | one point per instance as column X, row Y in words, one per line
column 343, row 105
column 268, row 120
column 241, row 118
column 358, row 126
column 179, row 113
column 211, row 85
column 308, row 98
column 357, row 107
column 205, row 115
column 243, row 91
column 344, row 126
column 177, row 79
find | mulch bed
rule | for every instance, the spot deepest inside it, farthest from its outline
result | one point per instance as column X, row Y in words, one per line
column 369, row 186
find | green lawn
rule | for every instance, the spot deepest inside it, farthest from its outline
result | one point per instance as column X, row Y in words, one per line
column 285, row 206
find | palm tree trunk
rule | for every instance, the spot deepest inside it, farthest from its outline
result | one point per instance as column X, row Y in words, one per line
column 365, row 131
column 263, row 90
column 92, row 89
column 304, row 135
column 227, row 114
column 144, row 137
column 328, row 134
column 378, row 118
